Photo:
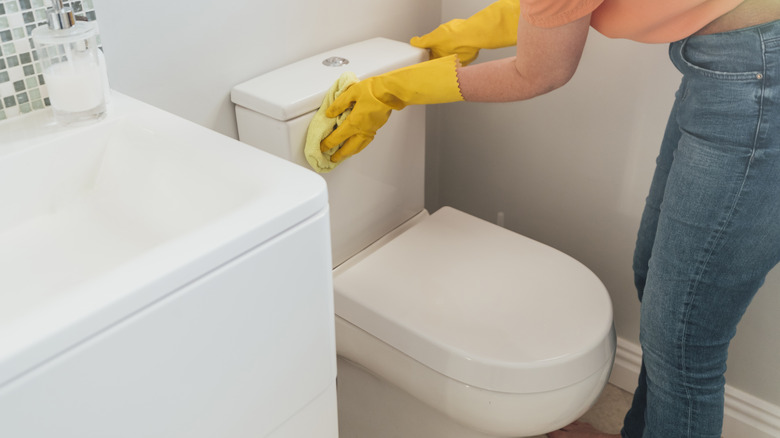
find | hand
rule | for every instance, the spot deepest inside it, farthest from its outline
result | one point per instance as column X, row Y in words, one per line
column 491, row 28
column 372, row 100
column 367, row 115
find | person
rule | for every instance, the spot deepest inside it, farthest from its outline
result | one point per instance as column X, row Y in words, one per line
column 710, row 230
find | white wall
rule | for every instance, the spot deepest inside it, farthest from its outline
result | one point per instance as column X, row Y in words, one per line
column 184, row 56
column 572, row 169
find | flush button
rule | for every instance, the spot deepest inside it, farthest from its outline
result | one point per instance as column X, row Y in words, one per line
column 335, row 61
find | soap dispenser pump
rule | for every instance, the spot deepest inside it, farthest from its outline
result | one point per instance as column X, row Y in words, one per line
column 72, row 65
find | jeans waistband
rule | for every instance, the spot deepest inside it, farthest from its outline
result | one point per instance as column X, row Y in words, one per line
column 737, row 51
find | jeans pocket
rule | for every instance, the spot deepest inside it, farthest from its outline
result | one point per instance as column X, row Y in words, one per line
column 717, row 62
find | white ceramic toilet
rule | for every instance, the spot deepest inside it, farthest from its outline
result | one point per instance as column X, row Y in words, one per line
column 447, row 325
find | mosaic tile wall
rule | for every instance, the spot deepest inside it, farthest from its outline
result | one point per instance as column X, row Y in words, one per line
column 22, row 88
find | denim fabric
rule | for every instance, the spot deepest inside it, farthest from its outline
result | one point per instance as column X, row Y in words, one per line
column 710, row 231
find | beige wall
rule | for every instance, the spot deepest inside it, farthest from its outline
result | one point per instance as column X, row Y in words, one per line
column 185, row 56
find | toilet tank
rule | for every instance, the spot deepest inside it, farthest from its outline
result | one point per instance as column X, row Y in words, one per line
column 370, row 193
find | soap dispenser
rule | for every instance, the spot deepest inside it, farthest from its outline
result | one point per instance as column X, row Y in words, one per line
column 72, row 66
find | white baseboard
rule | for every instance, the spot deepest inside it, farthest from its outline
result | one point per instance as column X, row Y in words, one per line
column 745, row 416
column 628, row 362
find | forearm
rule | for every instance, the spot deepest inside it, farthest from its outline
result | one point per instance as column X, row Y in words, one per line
column 545, row 60
column 501, row 81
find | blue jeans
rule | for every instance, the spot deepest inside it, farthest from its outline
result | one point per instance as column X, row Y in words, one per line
column 710, row 231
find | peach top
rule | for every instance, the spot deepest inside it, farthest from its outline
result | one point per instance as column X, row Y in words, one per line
column 648, row 21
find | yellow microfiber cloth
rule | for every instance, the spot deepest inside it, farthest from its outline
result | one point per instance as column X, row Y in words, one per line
column 321, row 126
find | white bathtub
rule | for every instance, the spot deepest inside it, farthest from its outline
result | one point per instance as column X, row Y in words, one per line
column 158, row 279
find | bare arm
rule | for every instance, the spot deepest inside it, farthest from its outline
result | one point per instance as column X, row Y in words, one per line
column 546, row 59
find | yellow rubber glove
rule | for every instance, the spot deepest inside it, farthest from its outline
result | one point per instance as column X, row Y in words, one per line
column 372, row 100
column 491, row 28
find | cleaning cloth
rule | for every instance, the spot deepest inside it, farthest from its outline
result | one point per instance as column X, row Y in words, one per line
column 321, row 126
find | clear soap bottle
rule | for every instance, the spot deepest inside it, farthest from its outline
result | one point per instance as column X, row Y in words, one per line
column 72, row 66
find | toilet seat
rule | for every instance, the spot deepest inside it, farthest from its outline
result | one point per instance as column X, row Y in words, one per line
column 482, row 305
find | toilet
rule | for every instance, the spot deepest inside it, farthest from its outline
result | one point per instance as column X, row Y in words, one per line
column 447, row 326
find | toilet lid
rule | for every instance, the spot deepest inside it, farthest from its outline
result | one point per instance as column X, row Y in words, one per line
column 482, row 305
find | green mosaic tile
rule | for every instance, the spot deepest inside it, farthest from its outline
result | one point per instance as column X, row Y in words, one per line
column 21, row 81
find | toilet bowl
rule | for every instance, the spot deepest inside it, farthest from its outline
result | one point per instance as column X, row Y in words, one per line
column 500, row 333
column 447, row 325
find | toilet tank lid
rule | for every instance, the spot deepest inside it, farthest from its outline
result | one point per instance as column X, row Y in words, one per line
column 482, row 305
column 298, row 88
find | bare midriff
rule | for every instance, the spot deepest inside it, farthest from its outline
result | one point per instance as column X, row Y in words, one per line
column 748, row 13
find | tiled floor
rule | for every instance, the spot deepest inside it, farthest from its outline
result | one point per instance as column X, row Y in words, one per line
column 607, row 415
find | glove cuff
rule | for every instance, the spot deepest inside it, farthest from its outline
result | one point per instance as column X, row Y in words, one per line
column 434, row 81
